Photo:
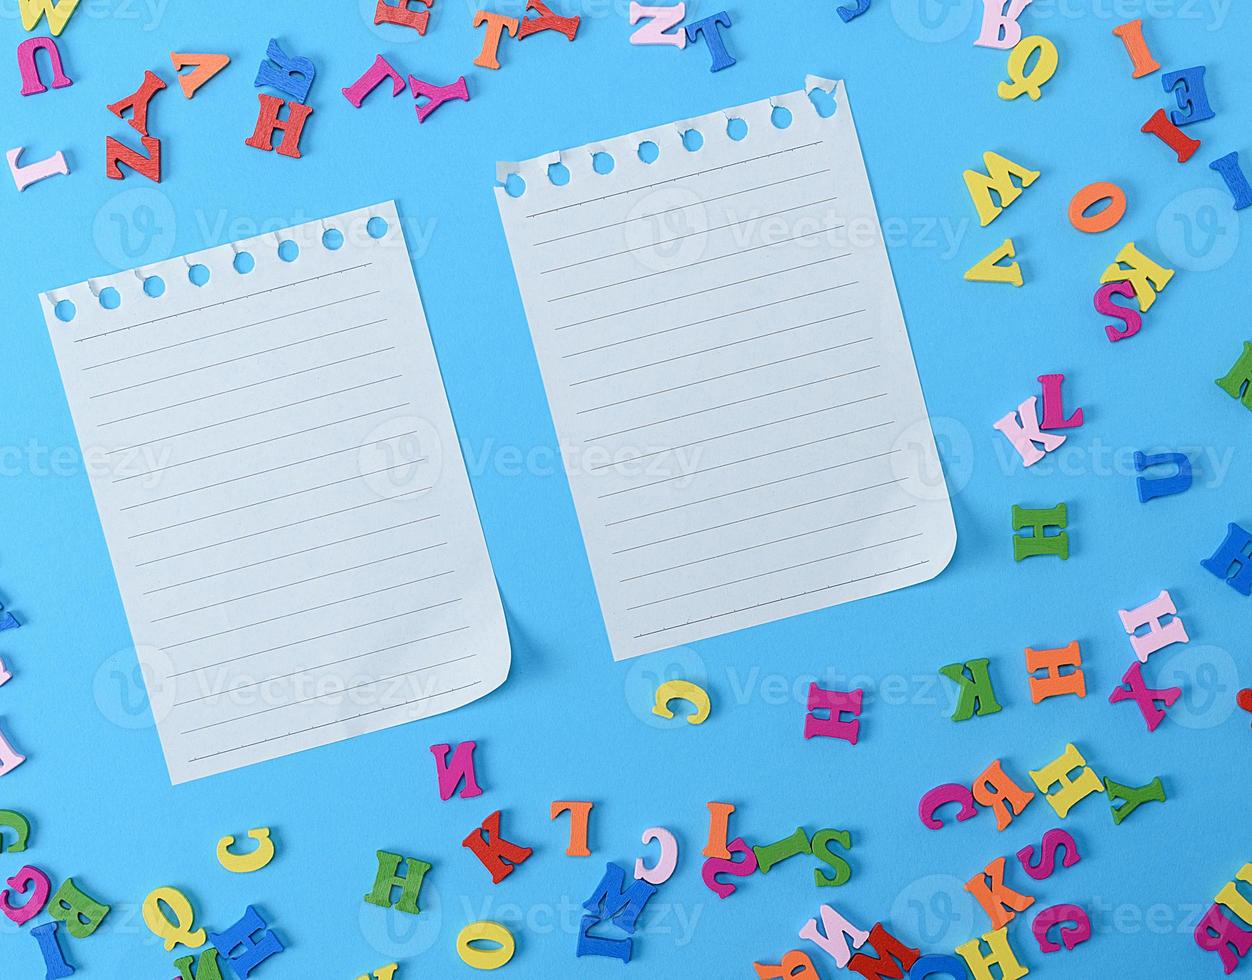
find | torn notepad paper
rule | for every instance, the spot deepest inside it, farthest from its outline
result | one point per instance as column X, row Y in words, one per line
column 282, row 491
column 728, row 368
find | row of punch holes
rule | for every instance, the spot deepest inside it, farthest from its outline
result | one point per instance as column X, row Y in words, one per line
column 649, row 152
column 198, row 274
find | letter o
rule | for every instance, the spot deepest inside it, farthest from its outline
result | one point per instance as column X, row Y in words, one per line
column 485, row 959
column 1106, row 217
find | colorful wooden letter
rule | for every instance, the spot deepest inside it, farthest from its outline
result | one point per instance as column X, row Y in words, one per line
column 1232, row 562
column 401, row 14
column 693, row 694
column 499, row 856
column 1069, row 791
column 1159, row 634
column 1159, row 125
column 24, row 176
column 998, row 180
column 1106, row 217
column 1104, row 305
column 1166, row 486
column 1039, row 542
column 291, row 75
column 1000, row 28
column 206, row 66
column 497, row 26
column 268, row 123
column 28, row 68
column 1148, row 277
column 1029, row 82
column 373, row 77
column 1025, row 435
column 458, row 772
column 1055, row 682
column 489, row 958
column 1236, row 179
column 836, row 704
column 1193, row 100
column 579, row 818
column 998, row 900
column 1238, row 381
column 388, row 878
column 657, row 30
column 710, row 30
column 988, row 268
column 977, row 694
column 1141, row 58
column 1147, row 699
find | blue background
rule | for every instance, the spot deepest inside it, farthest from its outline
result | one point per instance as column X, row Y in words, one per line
column 569, row 723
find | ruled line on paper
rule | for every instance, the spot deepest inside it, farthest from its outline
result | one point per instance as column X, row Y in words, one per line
column 712, row 319
column 320, row 636
column 693, row 265
column 232, row 600
column 280, row 527
column 256, row 414
column 726, row 360
column 755, row 517
column 765, row 544
column 672, row 180
column 730, row 404
column 301, row 612
column 707, row 200
column 263, row 442
column 210, row 306
column 737, row 432
column 786, row 598
column 679, row 238
column 239, row 388
column 319, row 697
column 773, row 571
column 334, row 663
column 285, row 499
column 232, row 330
column 749, row 459
column 725, row 346
column 290, row 554
column 338, row 721
column 270, row 500
column 749, row 489
column 265, row 472
column 703, row 292
column 235, row 360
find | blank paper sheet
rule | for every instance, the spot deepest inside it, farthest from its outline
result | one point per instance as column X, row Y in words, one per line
column 282, row 491
column 728, row 369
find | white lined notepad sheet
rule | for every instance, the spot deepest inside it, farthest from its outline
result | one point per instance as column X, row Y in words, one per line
column 282, row 492
column 729, row 372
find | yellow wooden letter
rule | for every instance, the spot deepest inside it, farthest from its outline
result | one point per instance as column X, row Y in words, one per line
column 997, row 180
column 989, row 269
